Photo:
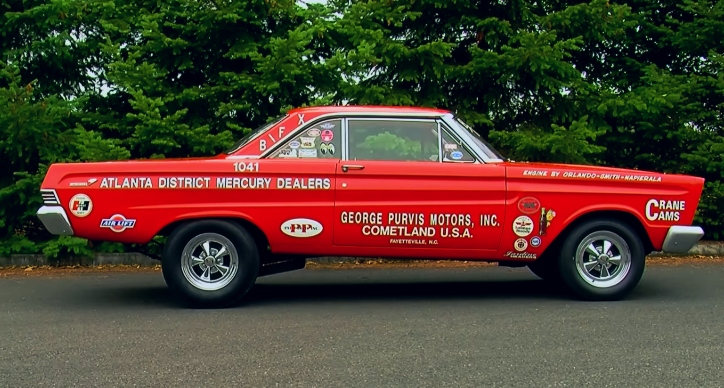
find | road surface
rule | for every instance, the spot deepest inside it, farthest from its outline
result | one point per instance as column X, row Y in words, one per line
column 472, row 327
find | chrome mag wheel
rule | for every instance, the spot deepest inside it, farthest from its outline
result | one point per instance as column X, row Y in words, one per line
column 209, row 261
column 603, row 259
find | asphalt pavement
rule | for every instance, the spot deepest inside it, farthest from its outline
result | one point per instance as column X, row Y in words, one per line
column 473, row 327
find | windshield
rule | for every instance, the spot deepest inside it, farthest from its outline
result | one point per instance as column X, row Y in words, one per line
column 487, row 148
column 254, row 134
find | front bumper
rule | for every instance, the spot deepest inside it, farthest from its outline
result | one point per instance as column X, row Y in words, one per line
column 680, row 239
column 55, row 220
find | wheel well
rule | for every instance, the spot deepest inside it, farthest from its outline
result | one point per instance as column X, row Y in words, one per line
column 622, row 216
column 259, row 237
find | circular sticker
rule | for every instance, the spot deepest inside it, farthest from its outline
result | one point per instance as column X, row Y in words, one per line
column 314, row 132
column 522, row 226
column 327, row 135
column 80, row 205
column 294, row 144
column 520, row 245
column 456, row 155
column 535, row 241
column 529, row 205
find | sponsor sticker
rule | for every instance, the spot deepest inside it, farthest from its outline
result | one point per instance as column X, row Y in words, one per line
column 529, row 205
column 535, row 241
column 87, row 183
column 288, row 153
column 520, row 245
column 118, row 223
column 307, row 142
column 326, row 149
column 520, row 255
column 545, row 220
column 301, row 227
column 456, row 155
column 314, row 132
column 294, row 144
column 327, row 135
column 451, row 146
column 307, row 153
column 327, row 126
column 663, row 210
column 80, row 205
column 523, row 226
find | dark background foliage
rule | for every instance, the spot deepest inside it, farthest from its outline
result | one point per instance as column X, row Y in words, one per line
column 636, row 84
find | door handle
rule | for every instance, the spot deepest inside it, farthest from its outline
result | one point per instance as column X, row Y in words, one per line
column 347, row 167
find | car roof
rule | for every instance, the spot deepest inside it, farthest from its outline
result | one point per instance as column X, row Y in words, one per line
column 368, row 109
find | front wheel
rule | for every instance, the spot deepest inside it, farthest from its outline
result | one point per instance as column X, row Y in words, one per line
column 602, row 260
column 210, row 263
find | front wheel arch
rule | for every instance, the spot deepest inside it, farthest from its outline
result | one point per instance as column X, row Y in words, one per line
column 612, row 215
column 260, row 238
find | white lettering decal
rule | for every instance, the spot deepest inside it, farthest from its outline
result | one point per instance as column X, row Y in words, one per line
column 303, row 183
column 489, row 220
column 183, row 183
column 606, row 176
column 243, row 183
column 361, row 218
column 301, row 119
column 262, row 145
column 395, row 224
column 127, row 183
column 662, row 210
column 535, row 173
column 451, row 220
column 406, row 218
column 246, row 167
column 281, row 132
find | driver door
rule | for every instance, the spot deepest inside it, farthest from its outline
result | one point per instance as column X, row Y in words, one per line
column 410, row 183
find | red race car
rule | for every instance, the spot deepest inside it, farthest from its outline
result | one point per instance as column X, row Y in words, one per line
column 364, row 181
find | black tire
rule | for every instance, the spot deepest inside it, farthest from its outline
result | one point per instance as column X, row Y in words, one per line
column 582, row 279
column 189, row 279
column 546, row 269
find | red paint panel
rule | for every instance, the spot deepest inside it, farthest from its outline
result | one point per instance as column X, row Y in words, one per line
column 157, row 194
column 419, row 204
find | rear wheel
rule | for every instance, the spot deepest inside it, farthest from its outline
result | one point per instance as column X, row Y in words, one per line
column 210, row 263
column 602, row 260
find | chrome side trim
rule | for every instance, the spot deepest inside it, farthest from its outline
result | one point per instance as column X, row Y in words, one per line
column 50, row 197
column 439, row 141
column 345, row 147
column 680, row 239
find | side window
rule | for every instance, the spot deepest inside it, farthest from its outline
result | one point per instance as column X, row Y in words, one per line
column 453, row 150
column 396, row 140
column 321, row 141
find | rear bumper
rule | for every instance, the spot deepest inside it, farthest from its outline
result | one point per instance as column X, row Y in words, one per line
column 55, row 220
column 680, row 239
